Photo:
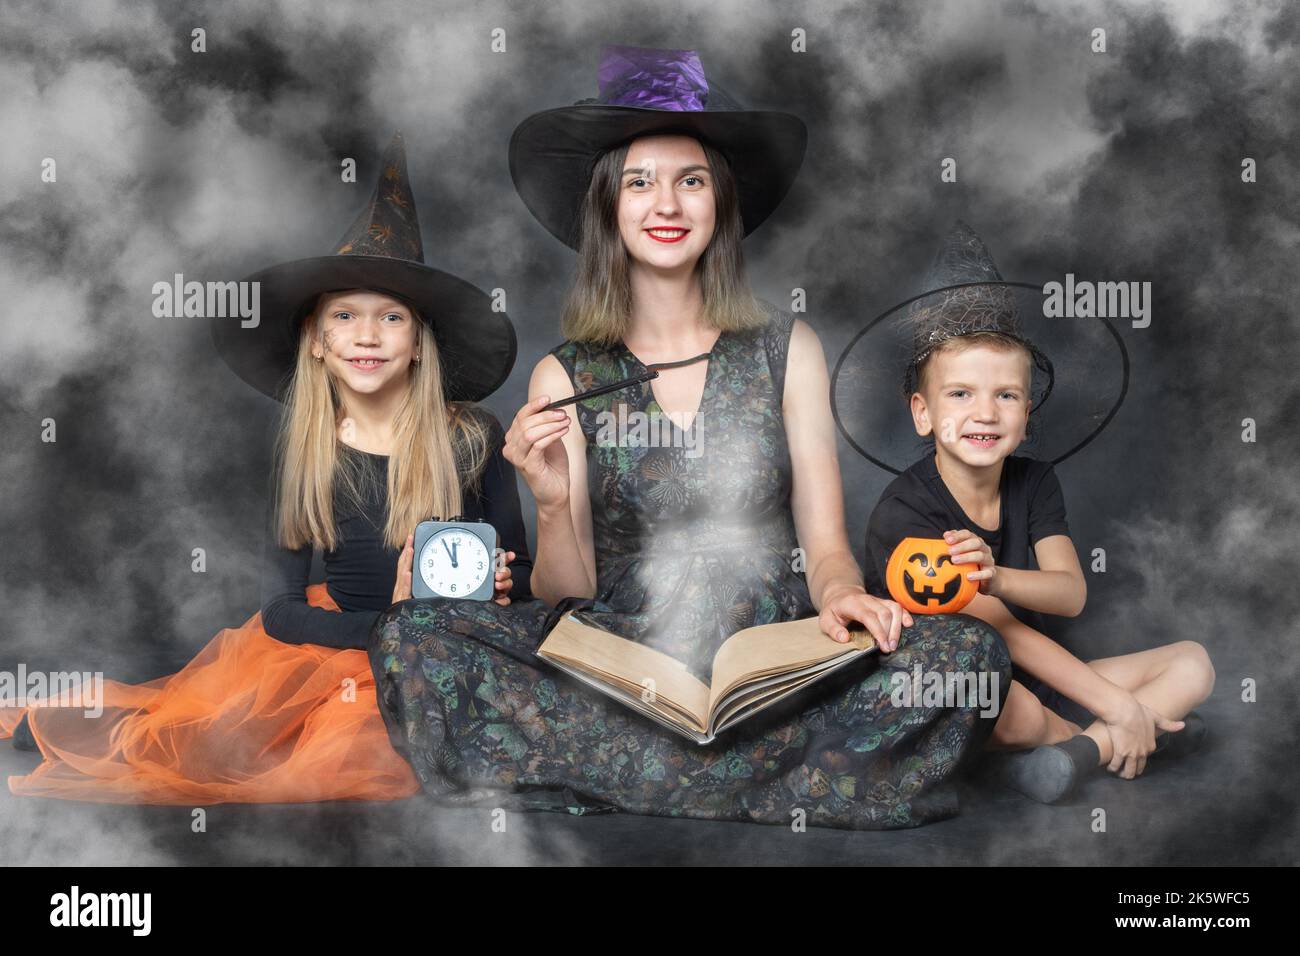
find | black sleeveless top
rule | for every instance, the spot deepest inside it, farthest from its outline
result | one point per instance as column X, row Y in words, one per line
column 694, row 538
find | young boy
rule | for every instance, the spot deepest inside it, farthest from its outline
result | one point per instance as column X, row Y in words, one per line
column 1006, row 514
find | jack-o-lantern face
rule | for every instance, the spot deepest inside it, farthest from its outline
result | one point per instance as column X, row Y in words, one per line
column 922, row 578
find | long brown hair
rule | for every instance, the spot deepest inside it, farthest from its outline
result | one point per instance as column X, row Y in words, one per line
column 439, row 449
column 598, row 307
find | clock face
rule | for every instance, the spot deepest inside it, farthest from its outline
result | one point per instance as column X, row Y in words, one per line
column 454, row 563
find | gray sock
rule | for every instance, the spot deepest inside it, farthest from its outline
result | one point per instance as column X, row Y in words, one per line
column 1046, row 774
column 1083, row 752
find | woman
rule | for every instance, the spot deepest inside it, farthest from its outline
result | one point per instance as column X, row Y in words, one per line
column 676, row 544
column 373, row 438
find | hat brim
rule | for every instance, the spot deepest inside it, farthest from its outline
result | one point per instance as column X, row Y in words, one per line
column 552, row 154
column 1092, row 364
column 476, row 345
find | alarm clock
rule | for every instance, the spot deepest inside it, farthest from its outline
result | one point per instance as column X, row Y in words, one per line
column 454, row 559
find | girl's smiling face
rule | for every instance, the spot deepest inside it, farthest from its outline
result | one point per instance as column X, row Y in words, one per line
column 666, row 209
column 976, row 401
column 366, row 339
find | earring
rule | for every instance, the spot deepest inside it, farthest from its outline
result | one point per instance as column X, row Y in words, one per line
column 417, row 358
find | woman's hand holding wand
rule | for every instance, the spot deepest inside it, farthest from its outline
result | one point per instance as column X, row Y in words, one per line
column 534, row 447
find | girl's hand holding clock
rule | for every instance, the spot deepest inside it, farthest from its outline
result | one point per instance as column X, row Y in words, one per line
column 406, row 561
column 504, row 580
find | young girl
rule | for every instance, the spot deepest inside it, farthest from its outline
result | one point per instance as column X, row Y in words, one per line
column 677, row 544
column 375, row 436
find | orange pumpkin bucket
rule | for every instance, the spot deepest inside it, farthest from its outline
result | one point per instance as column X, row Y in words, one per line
column 921, row 577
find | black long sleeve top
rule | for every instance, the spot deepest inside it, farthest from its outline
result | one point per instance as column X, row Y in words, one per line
column 360, row 573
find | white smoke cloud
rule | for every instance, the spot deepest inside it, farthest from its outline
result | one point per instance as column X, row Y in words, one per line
column 216, row 164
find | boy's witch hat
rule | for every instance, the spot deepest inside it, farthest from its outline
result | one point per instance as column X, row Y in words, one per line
column 965, row 304
column 644, row 90
column 381, row 252
column 964, row 294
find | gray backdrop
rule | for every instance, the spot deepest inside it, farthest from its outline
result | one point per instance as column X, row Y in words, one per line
column 1124, row 165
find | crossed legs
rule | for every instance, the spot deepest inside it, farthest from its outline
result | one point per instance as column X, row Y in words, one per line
column 1171, row 680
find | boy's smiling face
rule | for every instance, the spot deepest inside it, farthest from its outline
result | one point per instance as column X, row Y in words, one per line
column 976, row 402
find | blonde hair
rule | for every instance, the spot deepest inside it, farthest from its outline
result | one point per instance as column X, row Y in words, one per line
column 598, row 307
column 439, row 450
column 961, row 343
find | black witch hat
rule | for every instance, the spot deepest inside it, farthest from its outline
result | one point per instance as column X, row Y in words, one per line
column 381, row 252
column 963, row 294
column 644, row 90
column 965, row 303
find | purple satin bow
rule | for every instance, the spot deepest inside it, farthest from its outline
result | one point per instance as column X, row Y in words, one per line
column 652, row 78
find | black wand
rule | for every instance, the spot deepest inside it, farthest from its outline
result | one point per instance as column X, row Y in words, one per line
column 652, row 371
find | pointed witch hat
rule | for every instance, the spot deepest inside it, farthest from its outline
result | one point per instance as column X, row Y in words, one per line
column 645, row 90
column 965, row 304
column 381, row 252
column 963, row 294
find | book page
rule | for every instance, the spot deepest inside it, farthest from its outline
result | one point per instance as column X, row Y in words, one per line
column 749, row 699
column 768, row 649
column 744, row 702
column 667, row 717
column 609, row 656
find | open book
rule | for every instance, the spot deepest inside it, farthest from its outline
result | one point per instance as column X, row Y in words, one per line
column 753, row 669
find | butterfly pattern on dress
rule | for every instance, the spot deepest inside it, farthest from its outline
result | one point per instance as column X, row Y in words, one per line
column 688, row 551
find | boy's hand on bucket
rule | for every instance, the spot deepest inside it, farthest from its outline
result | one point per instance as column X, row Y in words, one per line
column 966, row 547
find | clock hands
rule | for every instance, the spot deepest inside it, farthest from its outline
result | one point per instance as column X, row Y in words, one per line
column 441, row 546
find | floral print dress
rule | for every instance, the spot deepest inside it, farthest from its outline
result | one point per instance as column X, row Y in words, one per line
column 694, row 540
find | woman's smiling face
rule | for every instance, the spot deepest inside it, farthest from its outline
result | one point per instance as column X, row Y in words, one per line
column 666, row 209
column 367, row 340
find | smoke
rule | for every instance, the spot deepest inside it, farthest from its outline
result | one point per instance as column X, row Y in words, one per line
column 1117, row 166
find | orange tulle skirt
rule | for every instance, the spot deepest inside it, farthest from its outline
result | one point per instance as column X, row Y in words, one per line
column 248, row 720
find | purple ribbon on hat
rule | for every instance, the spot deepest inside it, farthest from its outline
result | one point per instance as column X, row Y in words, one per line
column 651, row 78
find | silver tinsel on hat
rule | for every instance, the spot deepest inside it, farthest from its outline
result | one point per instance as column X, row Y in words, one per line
column 970, row 309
